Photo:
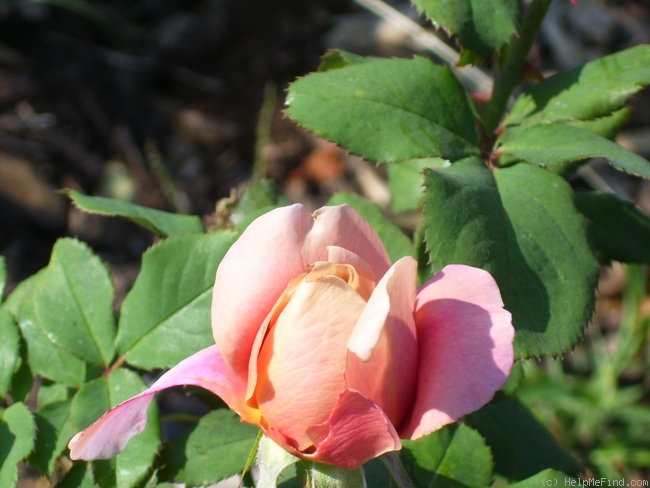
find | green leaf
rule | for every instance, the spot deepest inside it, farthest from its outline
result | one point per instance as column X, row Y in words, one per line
column 79, row 476
column 53, row 433
column 9, row 351
column 166, row 315
column 406, row 181
column 158, row 221
column 481, row 27
column 550, row 235
column 441, row 459
column 17, row 432
column 395, row 241
column 520, row 224
column 558, row 143
column 594, row 90
column 23, row 380
column 326, row 476
column 377, row 474
column 49, row 392
column 387, row 110
column 618, row 230
column 521, row 446
column 22, row 292
column 76, row 285
column 606, row 126
column 337, row 58
column 45, row 356
column 219, row 435
column 272, row 461
column 133, row 465
column 548, row 478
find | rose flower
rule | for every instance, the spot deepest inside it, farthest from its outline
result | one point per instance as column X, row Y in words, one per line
column 331, row 350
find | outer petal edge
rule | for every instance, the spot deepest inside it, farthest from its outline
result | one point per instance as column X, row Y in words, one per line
column 466, row 353
column 250, row 279
column 358, row 432
column 109, row 435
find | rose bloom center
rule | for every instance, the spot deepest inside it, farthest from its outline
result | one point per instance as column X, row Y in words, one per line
column 302, row 359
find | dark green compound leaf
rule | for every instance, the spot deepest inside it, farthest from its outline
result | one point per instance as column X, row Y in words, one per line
column 481, row 27
column 77, row 286
column 387, row 110
column 215, row 449
column 520, row 224
column 559, row 143
column 595, row 90
column 17, row 432
column 521, row 446
column 440, row 460
column 166, row 315
column 396, row 243
column 10, row 359
column 618, row 230
column 133, row 465
column 162, row 223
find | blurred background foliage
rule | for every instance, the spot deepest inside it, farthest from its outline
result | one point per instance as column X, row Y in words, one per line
column 171, row 104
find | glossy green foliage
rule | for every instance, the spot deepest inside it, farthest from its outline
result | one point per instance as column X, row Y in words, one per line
column 508, row 222
column 162, row 223
column 387, row 110
column 521, row 446
column 481, row 27
column 17, row 431
column 218, row 435
column 166, row 315
column 441, row 459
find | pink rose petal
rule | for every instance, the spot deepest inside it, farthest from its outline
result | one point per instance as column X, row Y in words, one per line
column 356, row 432
column 342, row 226
column 252, row 275
column 466, row 352
column 108, row 435
column 302, row 361
column 382, row 363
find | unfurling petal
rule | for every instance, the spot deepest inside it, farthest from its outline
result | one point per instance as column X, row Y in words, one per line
column 252, row 275
column 342, row 226
column 382, row 363
column 356, row 432
column 466, row 353
column 301, row 364
column 108, row 435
